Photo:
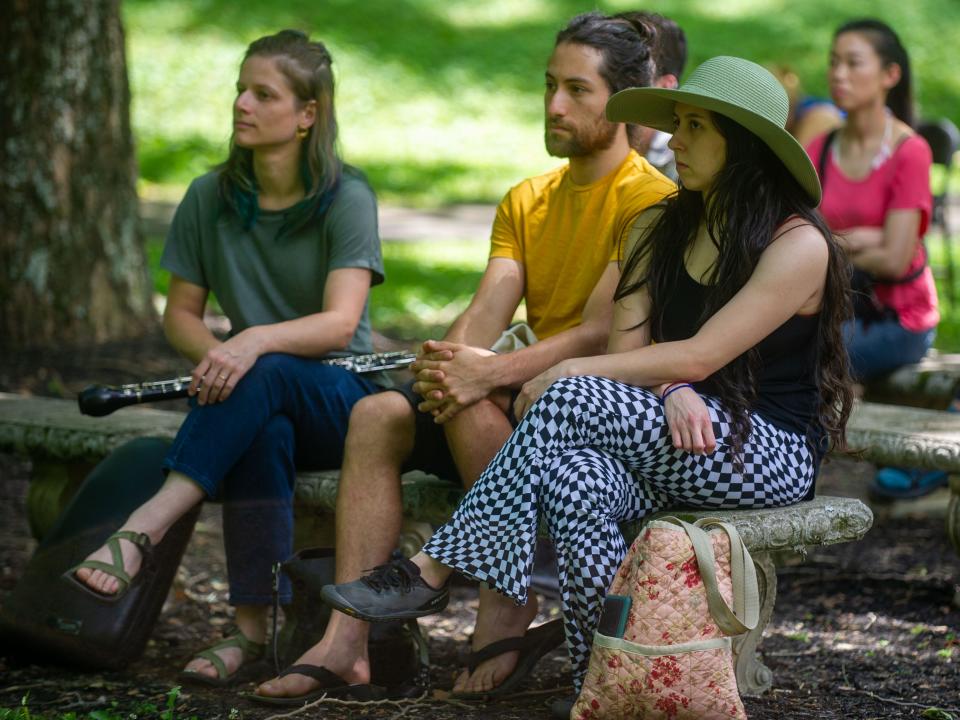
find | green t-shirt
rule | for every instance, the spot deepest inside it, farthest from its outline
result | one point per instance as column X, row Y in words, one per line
column 260, row 276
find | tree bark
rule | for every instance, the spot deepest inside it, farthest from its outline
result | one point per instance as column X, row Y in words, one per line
column 72, row 263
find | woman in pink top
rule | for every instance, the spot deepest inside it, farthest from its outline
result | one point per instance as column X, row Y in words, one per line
column 875, row 173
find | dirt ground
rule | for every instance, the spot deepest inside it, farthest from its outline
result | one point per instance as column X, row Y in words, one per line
column 861, row 630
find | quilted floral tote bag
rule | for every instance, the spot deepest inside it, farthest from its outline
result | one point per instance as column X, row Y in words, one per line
column 663, row 648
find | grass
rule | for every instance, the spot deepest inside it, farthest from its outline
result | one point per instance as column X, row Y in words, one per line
column 948, row 331
column 428, row 285
column 112, row 711
column 440, row 100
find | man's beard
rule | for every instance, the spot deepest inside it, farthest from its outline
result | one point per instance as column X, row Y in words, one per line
column 597, row 136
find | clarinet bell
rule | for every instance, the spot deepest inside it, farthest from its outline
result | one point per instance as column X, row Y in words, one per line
column 98, row 400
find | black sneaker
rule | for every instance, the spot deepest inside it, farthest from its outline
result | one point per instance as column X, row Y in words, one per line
column 394, row 591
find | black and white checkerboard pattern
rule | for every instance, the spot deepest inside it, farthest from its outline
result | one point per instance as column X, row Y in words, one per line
column 592, row 453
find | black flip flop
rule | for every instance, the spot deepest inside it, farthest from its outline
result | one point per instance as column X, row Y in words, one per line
column 536, row 643
column 331, row 685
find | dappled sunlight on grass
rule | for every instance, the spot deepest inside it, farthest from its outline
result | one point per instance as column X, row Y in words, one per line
column 428, row 285
column 441, row 102
column 453, row 89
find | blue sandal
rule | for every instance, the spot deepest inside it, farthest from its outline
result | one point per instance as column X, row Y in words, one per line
column 904, row 483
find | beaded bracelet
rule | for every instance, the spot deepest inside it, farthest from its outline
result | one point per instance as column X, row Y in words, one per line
column 673, row 388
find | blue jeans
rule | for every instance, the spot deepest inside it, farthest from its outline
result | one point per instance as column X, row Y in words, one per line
column 286, row 413
column 882, row 347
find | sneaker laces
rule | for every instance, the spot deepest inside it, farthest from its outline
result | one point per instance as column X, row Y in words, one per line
column 396, row 574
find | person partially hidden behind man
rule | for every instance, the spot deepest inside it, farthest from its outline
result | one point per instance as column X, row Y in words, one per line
column 670, row 57
column 554, row 244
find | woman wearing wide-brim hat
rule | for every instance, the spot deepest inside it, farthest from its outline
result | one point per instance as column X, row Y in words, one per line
column 744, row 291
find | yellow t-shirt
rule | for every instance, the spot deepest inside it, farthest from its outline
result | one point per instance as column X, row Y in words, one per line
column 565, row 235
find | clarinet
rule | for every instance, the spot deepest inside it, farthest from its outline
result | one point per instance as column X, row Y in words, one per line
column 100, row 400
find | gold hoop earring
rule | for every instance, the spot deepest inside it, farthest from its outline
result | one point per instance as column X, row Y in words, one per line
column 302, row 133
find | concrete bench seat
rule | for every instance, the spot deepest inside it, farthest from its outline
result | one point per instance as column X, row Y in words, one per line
column 931, row 383
column 64, row 445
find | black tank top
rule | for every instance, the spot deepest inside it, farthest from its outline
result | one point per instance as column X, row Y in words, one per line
column 787, row 394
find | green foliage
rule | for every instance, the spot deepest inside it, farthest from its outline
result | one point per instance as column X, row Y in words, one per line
column 138, row 711
column 948, row 331
column 428, row 285
column 440, row 100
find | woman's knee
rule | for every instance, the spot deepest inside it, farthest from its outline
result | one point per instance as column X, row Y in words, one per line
column 565, row 388
column 267, row 370
column 581, row 484
column 593, row 390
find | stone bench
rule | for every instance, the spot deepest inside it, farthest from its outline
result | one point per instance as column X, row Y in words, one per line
column 64, row 445
column 911, row 437
column 931, row 383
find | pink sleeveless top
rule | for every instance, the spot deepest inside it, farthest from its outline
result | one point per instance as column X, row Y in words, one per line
column 902, row 182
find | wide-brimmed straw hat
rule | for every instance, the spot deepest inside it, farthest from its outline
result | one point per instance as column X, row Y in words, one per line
column 739, row 89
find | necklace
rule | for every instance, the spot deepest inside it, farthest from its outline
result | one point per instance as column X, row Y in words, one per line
column 883, row 152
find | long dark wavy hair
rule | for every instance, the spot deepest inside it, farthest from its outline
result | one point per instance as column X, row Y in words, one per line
column 886, row 43
column 752, row 195
column 307, row 67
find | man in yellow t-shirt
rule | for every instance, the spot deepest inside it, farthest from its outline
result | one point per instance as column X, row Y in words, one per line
column 564, row 235
column 555, row 244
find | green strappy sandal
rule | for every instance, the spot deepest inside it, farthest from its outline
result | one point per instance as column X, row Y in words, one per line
column 114, row 568
column 251, row 650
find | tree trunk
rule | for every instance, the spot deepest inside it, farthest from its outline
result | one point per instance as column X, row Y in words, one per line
column 72, row 264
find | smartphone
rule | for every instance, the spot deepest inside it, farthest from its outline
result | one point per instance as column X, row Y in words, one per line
column 613, row 619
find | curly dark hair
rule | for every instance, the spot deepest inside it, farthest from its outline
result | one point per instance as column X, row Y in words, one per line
column 626, row 43
column 752, row 196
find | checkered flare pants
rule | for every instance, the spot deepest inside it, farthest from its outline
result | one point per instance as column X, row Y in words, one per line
column 589, row 454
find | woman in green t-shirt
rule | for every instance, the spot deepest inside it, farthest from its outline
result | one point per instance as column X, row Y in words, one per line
column 286, row 238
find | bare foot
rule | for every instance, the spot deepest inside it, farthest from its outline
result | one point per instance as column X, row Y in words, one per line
column 232, row 660
column 252, row 623
column 499, row 618
column 177, row 495
column 341, row 653
column 102, row 581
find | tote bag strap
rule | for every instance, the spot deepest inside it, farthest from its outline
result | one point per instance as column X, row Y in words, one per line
column 745, row 613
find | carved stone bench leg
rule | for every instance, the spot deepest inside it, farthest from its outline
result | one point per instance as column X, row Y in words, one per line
column 753, row 677
column 953, row 528
column 52, row 484
column 953, row 513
